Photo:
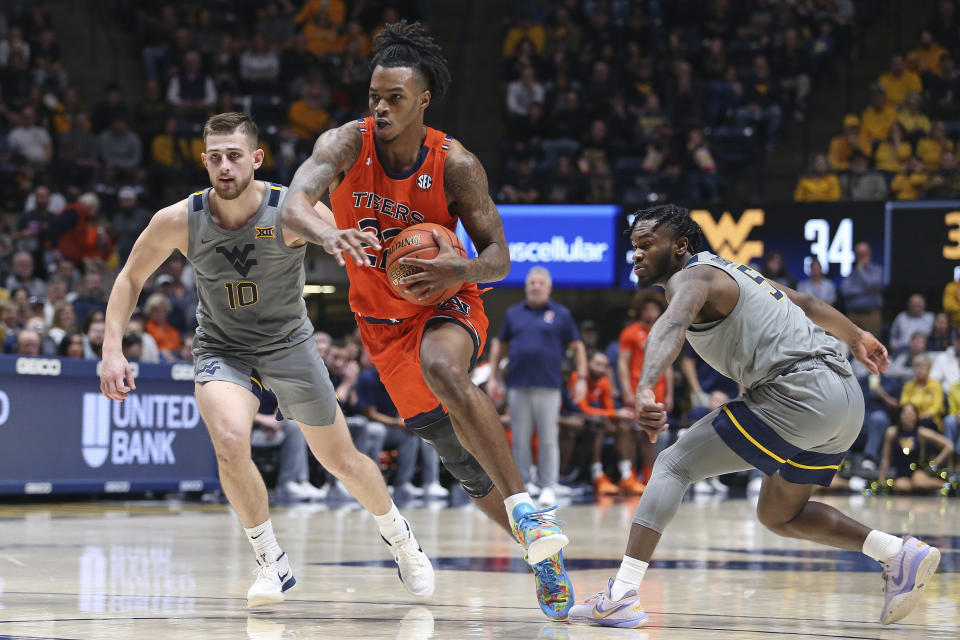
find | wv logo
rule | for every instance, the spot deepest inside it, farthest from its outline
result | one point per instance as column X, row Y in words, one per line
column 210, row 368
column 728, row 238
column 96, row 429
column 238, row 258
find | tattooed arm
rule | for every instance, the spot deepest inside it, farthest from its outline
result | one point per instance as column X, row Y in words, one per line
column 333, row 154
column 468, row 197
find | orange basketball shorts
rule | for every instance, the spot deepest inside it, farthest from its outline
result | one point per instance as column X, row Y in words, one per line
column 394, row 347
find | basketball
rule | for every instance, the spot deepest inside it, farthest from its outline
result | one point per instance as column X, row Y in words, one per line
column 418, row 242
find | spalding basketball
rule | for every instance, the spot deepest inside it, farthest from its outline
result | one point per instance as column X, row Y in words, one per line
column 418, row 242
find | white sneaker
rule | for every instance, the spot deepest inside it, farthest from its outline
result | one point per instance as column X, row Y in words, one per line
column 718, row 486
column 296, row 491
column 533, row 490
column 753, row 487
column 435, row 490
column 410, row 489
column 702, row 487
column 548, row 497
column 413, row 565
column 857, row 483
column 272, row 580
column 562, row 490
column 316, row 493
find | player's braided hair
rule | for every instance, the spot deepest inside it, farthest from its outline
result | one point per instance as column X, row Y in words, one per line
column 677, row 218
column 402, row 44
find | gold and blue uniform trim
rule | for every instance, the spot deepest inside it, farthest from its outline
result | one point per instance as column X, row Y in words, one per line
column 757, row 443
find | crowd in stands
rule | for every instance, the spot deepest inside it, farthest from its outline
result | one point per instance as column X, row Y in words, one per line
column 636, row 101
column 903, row 146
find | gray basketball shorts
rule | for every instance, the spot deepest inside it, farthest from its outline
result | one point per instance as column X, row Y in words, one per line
column 296, row 374
column 800, row 424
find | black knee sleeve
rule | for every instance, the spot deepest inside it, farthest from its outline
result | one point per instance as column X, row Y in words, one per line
column 458, row 461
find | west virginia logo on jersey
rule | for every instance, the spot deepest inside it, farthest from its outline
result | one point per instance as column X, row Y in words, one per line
column 238, row 258
column 264, row 232
column 210, row 368
column 455, row 304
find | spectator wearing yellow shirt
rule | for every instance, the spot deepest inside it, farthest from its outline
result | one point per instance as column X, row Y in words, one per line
column 914, row 122
column 876, row 119
column 928, row 53
column 528, row 29
column 908, row 184
column 925, row 393
column 334, row 10
column 899, row 81
column 950, row 426
column 930, row 148
column 323, row 37
column 892, row 153
column 951, row 302
column 843, row 146
column 170, row 149
column 356, row 35
column 307, row 117
column 820, row 185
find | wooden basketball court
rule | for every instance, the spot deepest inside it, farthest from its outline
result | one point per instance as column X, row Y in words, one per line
column 170, row 570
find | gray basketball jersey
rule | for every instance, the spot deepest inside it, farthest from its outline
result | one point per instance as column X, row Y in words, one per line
column 763, row 335
column 250, row 283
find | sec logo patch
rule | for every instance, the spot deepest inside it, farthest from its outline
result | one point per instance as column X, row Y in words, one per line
column 424, row 181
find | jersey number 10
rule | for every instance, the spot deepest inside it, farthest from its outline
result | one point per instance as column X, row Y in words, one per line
column 241, row 294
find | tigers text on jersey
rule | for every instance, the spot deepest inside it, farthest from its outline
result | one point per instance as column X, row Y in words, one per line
column 249, row 282
column 763, row 335
column 377, row 201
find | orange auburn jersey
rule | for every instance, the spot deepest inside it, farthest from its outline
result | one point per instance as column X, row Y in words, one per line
column 374, row 200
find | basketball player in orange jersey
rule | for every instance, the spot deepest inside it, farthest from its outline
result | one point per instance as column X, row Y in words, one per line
column 385, row 173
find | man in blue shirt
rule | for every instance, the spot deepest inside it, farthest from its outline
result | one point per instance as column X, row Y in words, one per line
column 535, row 335
column 863, row 291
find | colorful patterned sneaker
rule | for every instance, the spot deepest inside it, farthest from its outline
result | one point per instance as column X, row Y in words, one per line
column 905, row 577
column 538, row 531
column 273, row 578
column 554, row 589
column 413, row 565
column 601, row 609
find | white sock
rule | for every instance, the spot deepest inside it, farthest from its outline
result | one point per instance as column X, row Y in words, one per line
column 264, row 542
column 629, row 576
column 596, row 470
column 391, row 523
column 881, row 546
column 513, row 501
column 626, row 469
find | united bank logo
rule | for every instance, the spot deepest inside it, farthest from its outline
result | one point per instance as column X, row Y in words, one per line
column 728, row 237
column 141, row 430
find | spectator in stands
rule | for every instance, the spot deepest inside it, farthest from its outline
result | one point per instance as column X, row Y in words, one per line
column 259, row 66
column 525, row 29
column 192, row 91
column 293, row 471
column 85, row 235
column 522, row 186
column 535, row 334
column 701, row 168
column 901, row 364
column 891, row 154
column 863, row 291
column 942, row 91
column 108, row 109
column 148, row 346
column 307, row 117
column 946, row 364
column 93, row 338
column 951, row 426
column 902, row 447
column 23, row 275
column 818, row 286
column 30, row 142
column 77, row 151
column 72, row 346
column 119, row 148
column 132, row 347
column 939, row 338
column 322, row 35
column 792, row 66
column 39, row 227
column 899, row 81
column 945, row 182
column 775, row 269
column 14, row 42
column 951, row 300
column 930, row 148
column 28, row 343
column 928, row 53
column 915, row 319
column 522, row 92
column 911, row 181
column 820, row 185
column 843, row 146
column 16, row 81
column 128, row 221
column 157, row 308
column 925, row 394
column 762, row 100
column 879, row 116
column 64, row 322
column 152, row 111
column 92, row 296
column 566, row 184
column 862, row 182
column 914, row 122
column 684, row 99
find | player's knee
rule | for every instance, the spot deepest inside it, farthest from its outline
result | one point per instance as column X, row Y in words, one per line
column 773, row 517
column 231, row 445
column 446, row 377
column 347, row 468
column 672, row 462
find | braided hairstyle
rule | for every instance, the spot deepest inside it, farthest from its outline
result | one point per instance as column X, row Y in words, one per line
column 402, row 44
column 677, row 218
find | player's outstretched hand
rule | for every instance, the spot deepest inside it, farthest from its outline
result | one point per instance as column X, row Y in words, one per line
column 116, row 377
column 651, row 415
column 338, row 242
column 436, row 274
column 871, row 353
